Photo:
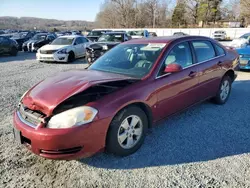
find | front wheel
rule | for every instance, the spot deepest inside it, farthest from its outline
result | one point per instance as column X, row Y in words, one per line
column 127, row 131
column 224, row 91
column 71, row 57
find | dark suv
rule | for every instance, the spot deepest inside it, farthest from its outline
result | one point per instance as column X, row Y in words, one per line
column 8, row 46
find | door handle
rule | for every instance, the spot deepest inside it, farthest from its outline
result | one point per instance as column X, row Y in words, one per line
column 192, row 74
column 219, row 63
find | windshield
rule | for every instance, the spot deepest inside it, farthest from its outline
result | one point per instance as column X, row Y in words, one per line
column 245, row 36
column 136, row 33
column 39, row 37
column 111, row 38
column 135, row 60
column 95, row 33
column 20, row 35
column 63, row 41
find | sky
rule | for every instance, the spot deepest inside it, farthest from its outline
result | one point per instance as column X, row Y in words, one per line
column 52, row 9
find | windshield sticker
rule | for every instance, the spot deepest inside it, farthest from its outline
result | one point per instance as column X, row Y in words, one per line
column 154, row 46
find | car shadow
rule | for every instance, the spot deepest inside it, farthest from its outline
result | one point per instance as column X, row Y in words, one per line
column 201, row 133
column 21, row 56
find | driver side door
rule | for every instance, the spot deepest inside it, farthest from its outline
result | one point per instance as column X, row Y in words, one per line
column 176, row 91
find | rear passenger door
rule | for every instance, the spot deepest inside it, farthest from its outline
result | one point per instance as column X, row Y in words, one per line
column 209, row 61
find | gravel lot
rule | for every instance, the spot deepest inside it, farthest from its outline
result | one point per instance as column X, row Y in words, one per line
column 205, row 146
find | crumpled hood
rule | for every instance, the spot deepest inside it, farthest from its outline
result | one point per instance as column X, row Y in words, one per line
column 53, row 47
column 49, row 93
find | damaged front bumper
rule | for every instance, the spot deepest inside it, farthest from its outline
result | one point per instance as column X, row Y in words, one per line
column 72, row 143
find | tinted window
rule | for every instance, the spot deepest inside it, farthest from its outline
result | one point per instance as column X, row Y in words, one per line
column 4, row 40
column 84, row 40
column 78, row 41
column 204, row 50
column 180, row 54
column 219, row 49
column 51, row 38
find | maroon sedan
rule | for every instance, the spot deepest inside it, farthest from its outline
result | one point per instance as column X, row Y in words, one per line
column 113, row 103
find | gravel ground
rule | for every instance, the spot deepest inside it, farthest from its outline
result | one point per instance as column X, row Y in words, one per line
column 205, row 146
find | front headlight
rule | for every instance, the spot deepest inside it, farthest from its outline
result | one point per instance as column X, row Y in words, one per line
column 20, row 100
column 73, row 117
column 63, row 51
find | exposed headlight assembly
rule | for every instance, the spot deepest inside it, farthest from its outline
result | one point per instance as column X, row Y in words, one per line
column 73, row 117
column 63, row 51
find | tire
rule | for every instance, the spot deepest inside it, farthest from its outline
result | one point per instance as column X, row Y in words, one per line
column 223, row 94
column 71, row 57
column 14, row 51
column 120, row 129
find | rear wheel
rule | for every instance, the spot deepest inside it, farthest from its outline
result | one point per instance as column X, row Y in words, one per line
column 127, row 131
column 224, row 91
column 71, row 57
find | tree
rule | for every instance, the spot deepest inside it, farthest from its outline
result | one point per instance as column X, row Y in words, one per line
column 178, row 17
column 245, row 11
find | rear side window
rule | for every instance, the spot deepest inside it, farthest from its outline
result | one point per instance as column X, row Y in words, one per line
column 219, row 49
column 204, row 50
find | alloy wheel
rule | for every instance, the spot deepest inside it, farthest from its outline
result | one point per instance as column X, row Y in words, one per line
column 224, row 91
column 130, row 132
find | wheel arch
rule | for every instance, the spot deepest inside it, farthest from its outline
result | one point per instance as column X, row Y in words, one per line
column 145, row 107
column 231, row 74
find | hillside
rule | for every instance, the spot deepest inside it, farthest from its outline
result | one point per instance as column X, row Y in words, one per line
column 43, row 24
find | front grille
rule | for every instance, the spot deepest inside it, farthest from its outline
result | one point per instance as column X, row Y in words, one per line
column 48, row 51
column 33, row 117
column 47, row 58
column 62, row 151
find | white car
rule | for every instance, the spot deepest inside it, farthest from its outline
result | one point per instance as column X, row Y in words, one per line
column 220, row 35
column 64, row 49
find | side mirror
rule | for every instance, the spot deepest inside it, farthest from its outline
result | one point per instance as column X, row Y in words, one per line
column 173, row 67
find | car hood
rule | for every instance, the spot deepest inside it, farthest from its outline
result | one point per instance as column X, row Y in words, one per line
column 33, row 41
column 52, row 91
column 17, row 38
column 237, row 43
column 53, row 47
column 244, row 51
column 136, row 37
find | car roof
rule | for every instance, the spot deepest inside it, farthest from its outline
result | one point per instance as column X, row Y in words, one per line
column 113, row 32
column 167, row 39
column 70, row 36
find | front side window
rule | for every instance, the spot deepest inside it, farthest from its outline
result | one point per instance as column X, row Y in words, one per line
column 180, row 54
column 204, row 50
column 135, row 60
column 84, row 40
column 78, row 41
